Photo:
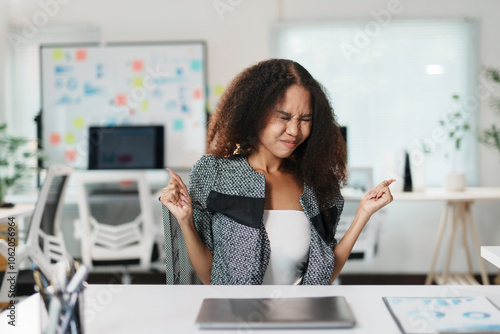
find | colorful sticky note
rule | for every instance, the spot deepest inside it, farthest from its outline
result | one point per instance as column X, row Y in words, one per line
column 137, row 82
column 57, row 54
column 69, row 138
column 70, row 155
column 178, row 124
column 137, row 65
column 218, row 90
column 197, row 94
column 131, row 112
column 79, row 122
column 54, row 139
column 196, row 65
column 121, row 100
column 81, row 55
column 145, row 105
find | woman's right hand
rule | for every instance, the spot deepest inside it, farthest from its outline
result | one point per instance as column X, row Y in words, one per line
column 177, row 200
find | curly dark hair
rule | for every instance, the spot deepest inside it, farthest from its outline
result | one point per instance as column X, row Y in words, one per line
column 244, row 108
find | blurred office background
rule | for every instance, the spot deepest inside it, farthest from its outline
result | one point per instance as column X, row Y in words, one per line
column 391, row 68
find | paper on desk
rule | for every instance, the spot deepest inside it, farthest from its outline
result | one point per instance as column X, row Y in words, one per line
column 431, row 315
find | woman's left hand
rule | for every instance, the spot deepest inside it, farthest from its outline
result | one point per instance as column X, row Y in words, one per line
column 376, row 198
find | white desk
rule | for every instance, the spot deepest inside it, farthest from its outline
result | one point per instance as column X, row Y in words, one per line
column 18, row 211
column 457, row 211
column 492, row 254
column 173, row 309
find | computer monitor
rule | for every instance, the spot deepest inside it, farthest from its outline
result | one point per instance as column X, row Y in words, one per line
column 126, row 147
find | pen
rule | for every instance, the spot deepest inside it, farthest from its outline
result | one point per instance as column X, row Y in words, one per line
column 43, row 291
column 55, row 309
column 80, row 275
column 69, row 313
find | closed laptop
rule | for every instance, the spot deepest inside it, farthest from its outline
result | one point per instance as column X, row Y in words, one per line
column 278, row 313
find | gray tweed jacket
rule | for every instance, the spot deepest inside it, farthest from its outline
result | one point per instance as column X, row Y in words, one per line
column 228, row 206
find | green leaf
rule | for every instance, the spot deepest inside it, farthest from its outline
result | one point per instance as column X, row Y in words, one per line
column 493, row 74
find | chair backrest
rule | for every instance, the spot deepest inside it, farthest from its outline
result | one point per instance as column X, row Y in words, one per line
column 178, row 266
column 45, row 242
column 110, row 242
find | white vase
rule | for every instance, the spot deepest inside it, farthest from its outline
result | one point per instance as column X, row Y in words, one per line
column 455, row 181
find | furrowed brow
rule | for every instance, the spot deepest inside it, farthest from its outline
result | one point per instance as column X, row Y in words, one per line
column 289, row 114
column 283, row 113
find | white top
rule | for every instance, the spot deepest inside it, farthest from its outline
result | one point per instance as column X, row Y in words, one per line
column 289, row 235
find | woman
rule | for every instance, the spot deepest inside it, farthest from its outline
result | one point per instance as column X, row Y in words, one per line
column 265, row 201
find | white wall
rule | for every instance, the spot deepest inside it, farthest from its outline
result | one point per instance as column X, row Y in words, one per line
column 242, row 37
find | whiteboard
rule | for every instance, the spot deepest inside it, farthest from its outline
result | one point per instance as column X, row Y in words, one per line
column 139, row 84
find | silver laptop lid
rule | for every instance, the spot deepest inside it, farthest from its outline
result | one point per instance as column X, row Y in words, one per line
column 282, row 313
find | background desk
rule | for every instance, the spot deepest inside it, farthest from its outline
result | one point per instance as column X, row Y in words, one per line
column 18, row 211
column 457, row 211
column 173, row 308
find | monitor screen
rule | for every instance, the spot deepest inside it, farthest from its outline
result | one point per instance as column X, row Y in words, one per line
column 126, row 147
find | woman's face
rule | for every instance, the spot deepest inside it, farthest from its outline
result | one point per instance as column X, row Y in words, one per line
column 289, row 123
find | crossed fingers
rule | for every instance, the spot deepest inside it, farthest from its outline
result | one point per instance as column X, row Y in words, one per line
column 380, row 190
column 176, row 191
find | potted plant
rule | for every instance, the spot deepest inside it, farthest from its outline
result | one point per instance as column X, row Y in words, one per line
column 456, row 125
column 14, row 168
column 491, row 136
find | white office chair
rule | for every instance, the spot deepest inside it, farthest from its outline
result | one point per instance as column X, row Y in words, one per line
column 361, row 181
column 121, row 246
column 45, row 243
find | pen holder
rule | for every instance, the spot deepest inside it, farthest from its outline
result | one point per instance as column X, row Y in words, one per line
column 66, row 314
column 66, row 304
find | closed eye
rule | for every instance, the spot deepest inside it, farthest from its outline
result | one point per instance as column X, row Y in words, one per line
column 287, row 116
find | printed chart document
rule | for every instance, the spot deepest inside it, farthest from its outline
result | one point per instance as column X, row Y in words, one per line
column 431, row 315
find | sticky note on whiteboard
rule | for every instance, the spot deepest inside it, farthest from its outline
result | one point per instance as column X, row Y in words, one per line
column 121, row 100
column 178, row 124
column 137, row 65
column 79, row 122
column 137, row 82
column 196, row 65
column 70, row 155
column 81, row 55
column 69, row 138
column 54, row 139
column 57, row 54
column 197, row 94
